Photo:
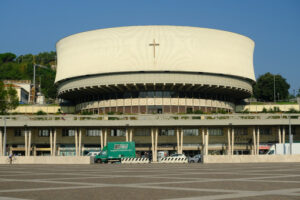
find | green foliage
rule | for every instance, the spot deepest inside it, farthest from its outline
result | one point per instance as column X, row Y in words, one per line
column 264, row 88
column 198, row 112
column 86, row 112
column 21, row 68
column 8, row 98
column 40, row 112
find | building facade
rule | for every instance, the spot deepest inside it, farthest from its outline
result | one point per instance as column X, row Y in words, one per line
column 155, row 69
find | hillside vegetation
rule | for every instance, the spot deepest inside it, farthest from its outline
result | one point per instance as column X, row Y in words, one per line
column 14, row 67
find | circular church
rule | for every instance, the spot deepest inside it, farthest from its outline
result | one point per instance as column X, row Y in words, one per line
column 155, row 69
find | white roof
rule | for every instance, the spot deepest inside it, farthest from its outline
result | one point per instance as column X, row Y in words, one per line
column 129, row 49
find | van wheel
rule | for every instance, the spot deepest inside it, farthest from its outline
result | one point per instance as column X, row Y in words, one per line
column 99, row 161
column 192, row 161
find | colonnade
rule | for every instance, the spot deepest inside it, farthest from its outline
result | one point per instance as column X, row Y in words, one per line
column 154, row 140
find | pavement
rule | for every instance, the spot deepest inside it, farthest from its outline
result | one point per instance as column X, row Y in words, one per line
column 272, row 181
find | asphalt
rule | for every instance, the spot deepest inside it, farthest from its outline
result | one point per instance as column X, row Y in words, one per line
column 151, row 181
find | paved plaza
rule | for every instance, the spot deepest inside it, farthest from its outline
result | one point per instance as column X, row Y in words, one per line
column 151, row 181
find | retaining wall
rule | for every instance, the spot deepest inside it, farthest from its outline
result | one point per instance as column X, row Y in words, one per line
column 47, row 160
column 250, row 158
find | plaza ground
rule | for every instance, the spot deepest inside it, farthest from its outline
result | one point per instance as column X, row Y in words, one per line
column 151, row 181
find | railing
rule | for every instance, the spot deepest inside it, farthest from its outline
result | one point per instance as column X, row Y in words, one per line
column 69, row 118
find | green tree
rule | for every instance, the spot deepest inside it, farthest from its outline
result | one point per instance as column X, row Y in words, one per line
column 264, row 88
column 8, row 98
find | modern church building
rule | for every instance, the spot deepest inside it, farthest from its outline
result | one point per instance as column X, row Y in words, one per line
column 155, row 69
column 143, row 70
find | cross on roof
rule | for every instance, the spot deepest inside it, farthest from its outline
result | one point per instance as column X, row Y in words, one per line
column 154, row 45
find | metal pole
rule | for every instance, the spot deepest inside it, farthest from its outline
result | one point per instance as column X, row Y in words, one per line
column 274, row 89
column 290, row 135
column 4, row 137
column 33, row 95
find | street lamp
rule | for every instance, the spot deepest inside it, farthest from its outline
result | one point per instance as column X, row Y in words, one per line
column 274, row 88
column 4, row 136
column 34, row 74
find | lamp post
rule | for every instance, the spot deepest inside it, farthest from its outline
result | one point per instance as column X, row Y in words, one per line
column 33, row 79
column 274, row 88
column 4, row 136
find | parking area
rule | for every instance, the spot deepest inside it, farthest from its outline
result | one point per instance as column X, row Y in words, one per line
column 151, row 181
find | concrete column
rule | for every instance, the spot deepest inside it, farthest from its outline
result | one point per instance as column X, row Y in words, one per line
column 127, row 134
column 26, row 144
column 203, row 141
column 154, row 157
column 51, row 145
column 101, row 139
column 181, row 141
column 131, row 132
column 206, row 141
column 29, row 143
column 76, row 143
column 178, row 144
column 34, row 150
column 105, row 137
column 283, row 135
column 54, row 143
column 254, row 141
column 229, row 142
column 79, row 141
column 279, row 135
column 232, row 141
column 156, row 141
column 257, row 145
column 1, row 143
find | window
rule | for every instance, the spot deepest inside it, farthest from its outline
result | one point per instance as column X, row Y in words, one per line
column 121, row 146
column 117, row 132
column 19, row 133
column 93, row 132
column 142, row 132
column 241, row 131
column 68, row 132
column 166, row 132
column 265, row 131
column 190, row 132
column 215, row 131
column 44, row 132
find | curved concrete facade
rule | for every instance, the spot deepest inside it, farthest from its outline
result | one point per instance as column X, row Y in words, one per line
column 122, row 63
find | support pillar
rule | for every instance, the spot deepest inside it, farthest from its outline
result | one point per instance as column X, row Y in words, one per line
column 203, row 141
column 257, row 140
column 178, row 143
column 1, row 143
column 76, row 143
column 105, row 137
column 181, row 141
column 279, row 135
column 101, row 139
column 26, row 144
column 29, row 143
column 229, row 142
column 51, row 145
column 254, row 141
column 232, row 141
column 283, row 135
column 130, row 135
column 54, row 143
column 79, row 141
column 127, row 133
column 206, row 141
column 154, row 137
column 34, row 150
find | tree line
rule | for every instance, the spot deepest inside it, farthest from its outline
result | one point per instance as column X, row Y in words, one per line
column 14, row 67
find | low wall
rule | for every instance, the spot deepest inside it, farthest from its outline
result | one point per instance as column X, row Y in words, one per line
column 47, row 160
column 250, row 158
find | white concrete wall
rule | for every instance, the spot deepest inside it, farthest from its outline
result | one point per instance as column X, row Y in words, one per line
column 32, row 109
column 259, row 108
column 250, row 158
column 48, row 160
column 181, row 48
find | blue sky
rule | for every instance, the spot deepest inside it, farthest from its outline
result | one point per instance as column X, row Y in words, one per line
column 34, row 26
